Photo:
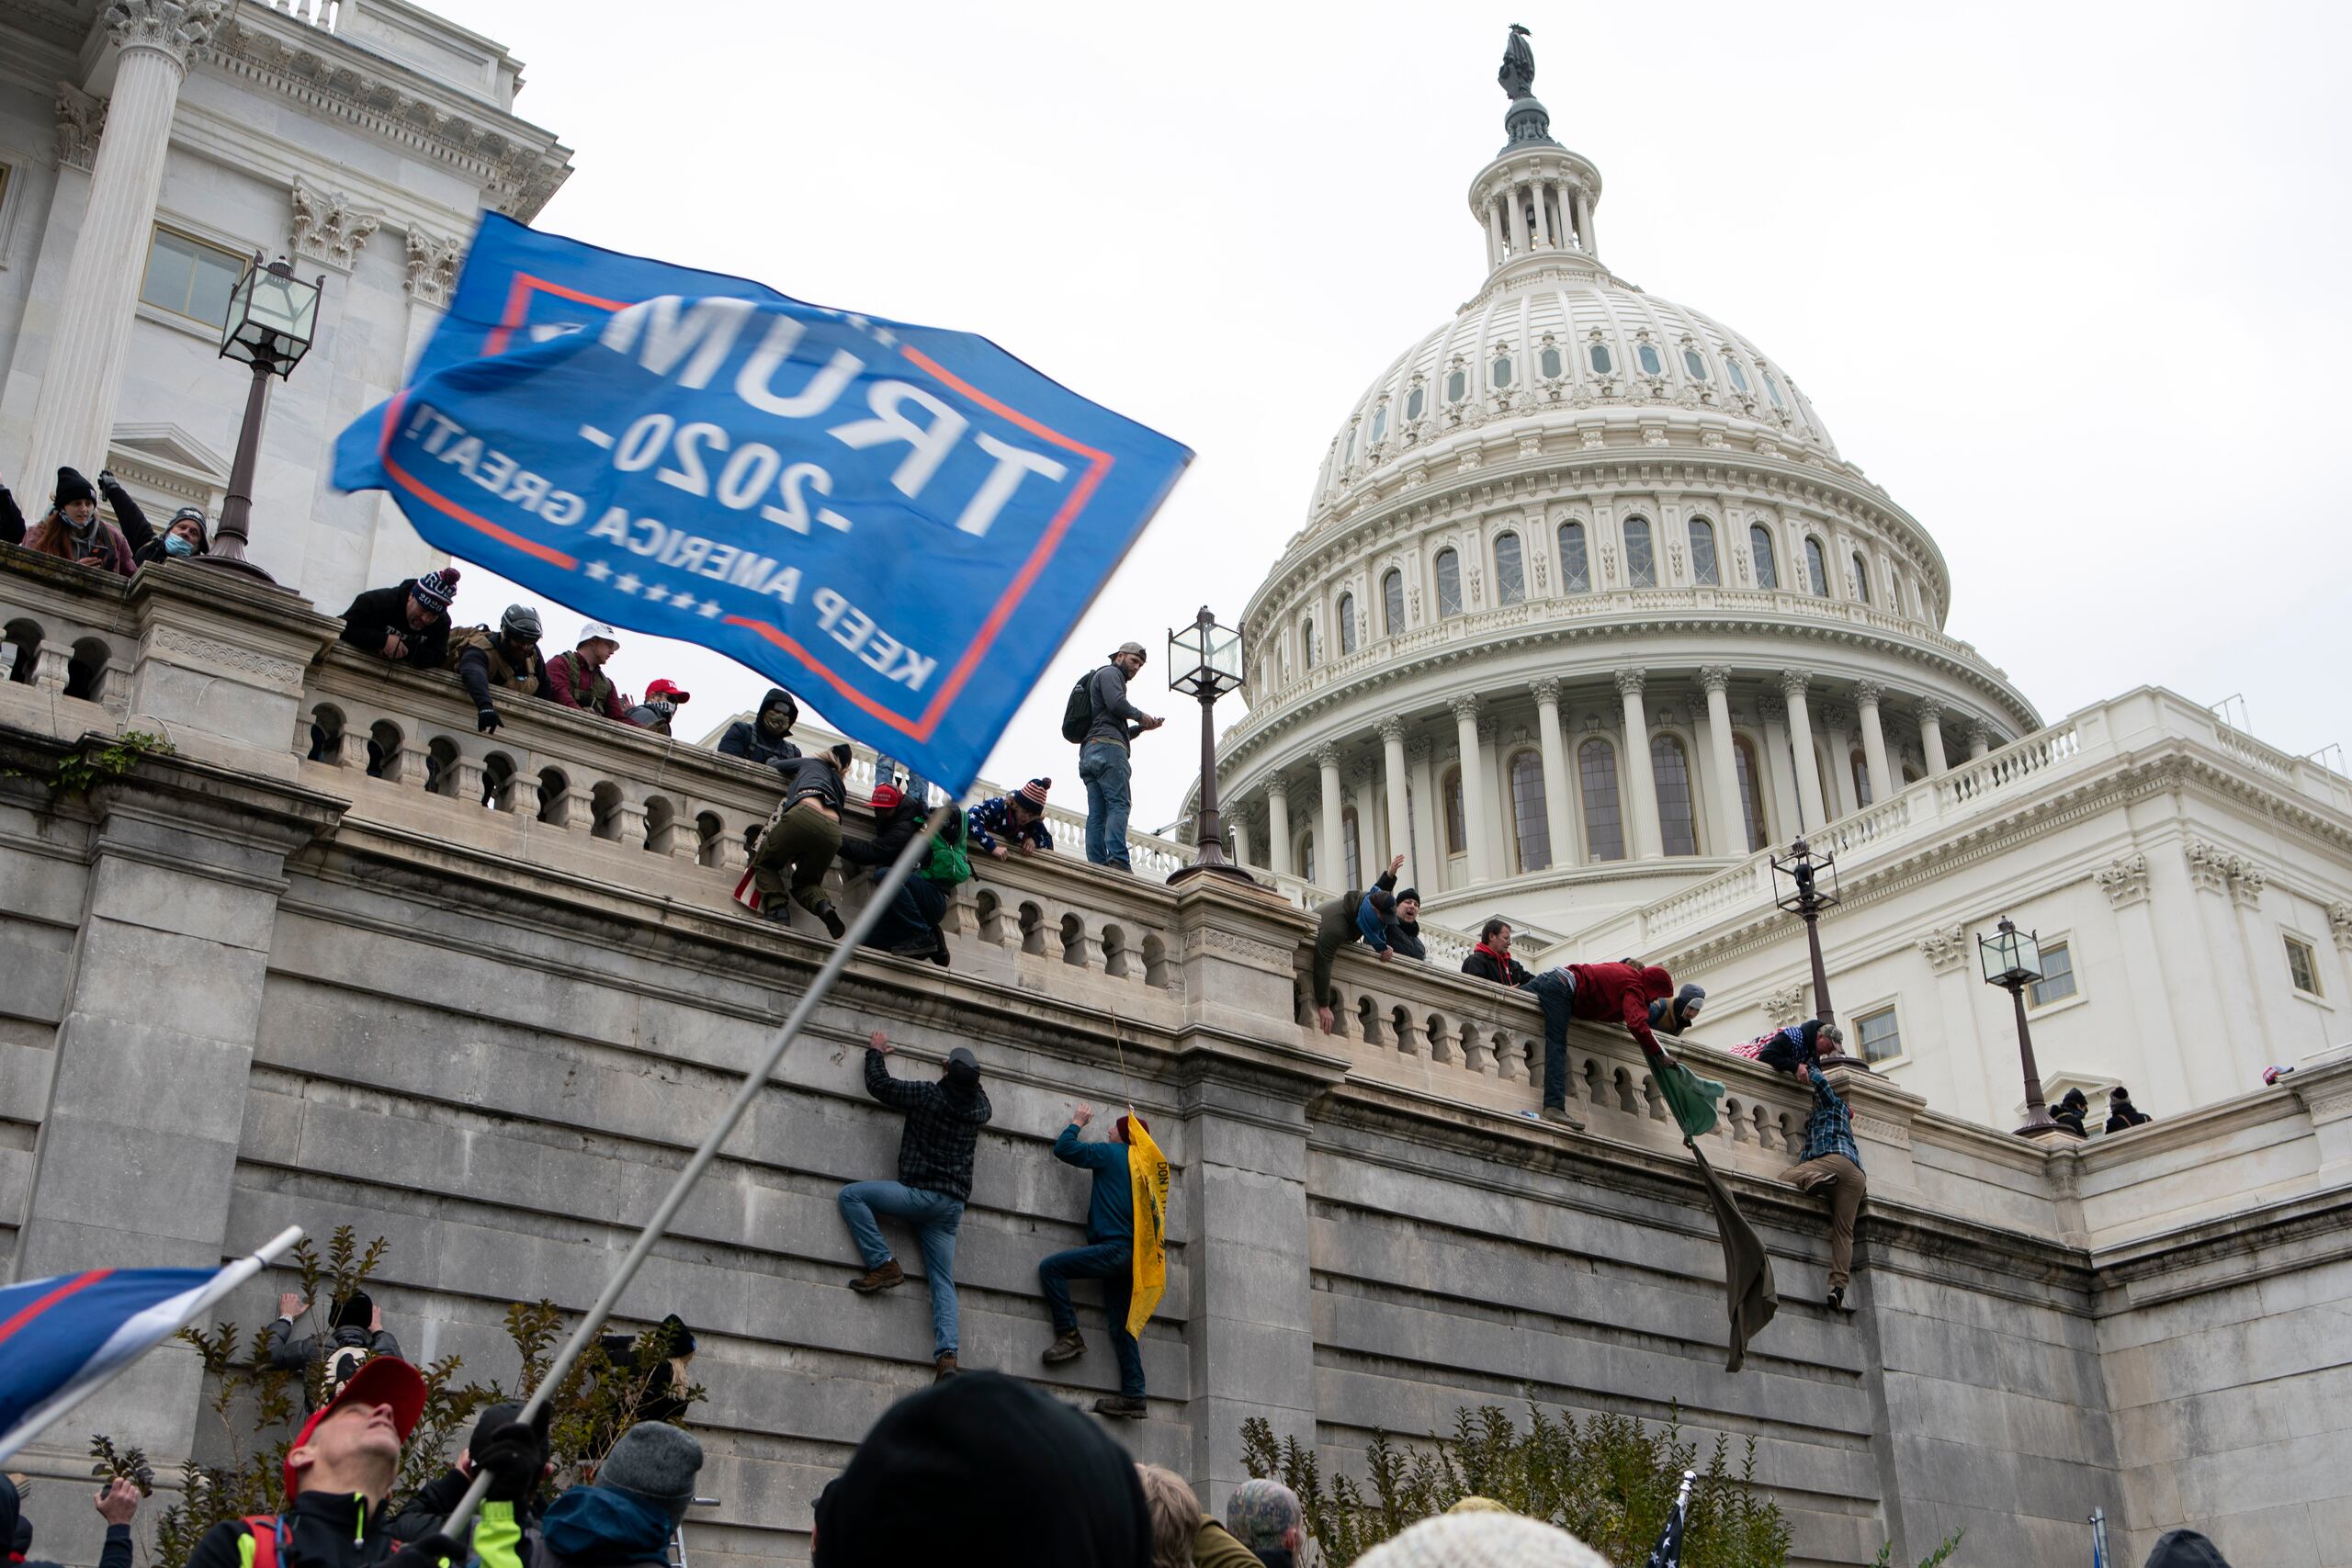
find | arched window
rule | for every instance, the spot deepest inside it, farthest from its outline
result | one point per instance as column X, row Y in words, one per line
column 1499, row 371
column 1351, row 841
column 1449, row 583
column 1604, row 825
column 1861, row 768
column 1306, row 642
column 1672, row 767
column 1641, row 561
column 1759, row 545
column 1347, row 623
column 1751, row 797
column 1702, row 553
column 1695, row 363
column 1416, row 400
column 1510, row 571
column 1549, row 363
column 1910, row 775
column 1645, row 356
column 1347, row 458
column 1861, row 578
column 1457, row 828
column 1456, row 386
column 1738, row 376
column 1379, row 423
column 1816, row 565
column 1529, row 826
column 1597, row 356
column 1772, row 389
column 1576, row 566
column 1392, row 604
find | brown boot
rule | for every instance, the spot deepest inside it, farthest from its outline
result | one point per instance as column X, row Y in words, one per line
column 944, row 1367
column 880, row 1279
column 1069, row 1348
column 1122, row 1406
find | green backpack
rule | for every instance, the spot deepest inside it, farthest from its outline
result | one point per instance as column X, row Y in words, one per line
column 948, row 863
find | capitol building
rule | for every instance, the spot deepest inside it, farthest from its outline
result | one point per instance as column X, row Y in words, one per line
column 1590, row 614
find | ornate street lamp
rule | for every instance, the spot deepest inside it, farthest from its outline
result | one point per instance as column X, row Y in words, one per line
column 2012, row 961
column 1805, row 900
column 1204, row 663
column 273, row 317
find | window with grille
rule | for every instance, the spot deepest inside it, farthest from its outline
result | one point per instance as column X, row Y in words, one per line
column 1576, row 566
column 1702, row 552
column 1604, row 825
column 1759, row 544
column 1347, row 623
column 1510, row 571
column 1457, row 829
column 2057, row 982
column 1751, row 801
column 1449, row 583
column 1641, row 560
column 1881, row 1040
column 1392, row 604
column 1670, row 769
column 2302, row 966
column 188, row 277
column 1530, row 825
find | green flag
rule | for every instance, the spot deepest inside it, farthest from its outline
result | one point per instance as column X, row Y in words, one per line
column 1691, row 1097
column 1747, row 1270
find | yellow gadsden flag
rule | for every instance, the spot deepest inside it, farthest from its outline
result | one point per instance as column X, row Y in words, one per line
column 1147, row 1177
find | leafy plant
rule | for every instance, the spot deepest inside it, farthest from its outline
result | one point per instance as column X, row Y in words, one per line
column 122, row 1464
column 1936, row 1559
column 92, row 762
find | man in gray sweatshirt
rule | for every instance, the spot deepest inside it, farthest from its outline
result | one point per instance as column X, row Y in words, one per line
column 1103, row 756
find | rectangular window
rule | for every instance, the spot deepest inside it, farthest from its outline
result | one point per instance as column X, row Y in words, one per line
column 1880, row 1038
column 188, row 277
column 2057, row 982
column 2302, row 966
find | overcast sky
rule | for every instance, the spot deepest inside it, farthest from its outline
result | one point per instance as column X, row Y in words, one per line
column 2068, row 280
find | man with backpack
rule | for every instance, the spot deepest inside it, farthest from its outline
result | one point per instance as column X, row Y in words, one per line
column 910, row 927
column 354, row 1333
column 1101, row 720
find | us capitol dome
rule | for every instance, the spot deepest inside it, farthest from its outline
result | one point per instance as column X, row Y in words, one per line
column 1587, row 604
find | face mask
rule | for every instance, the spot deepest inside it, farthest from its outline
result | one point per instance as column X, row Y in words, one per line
column 174, row 545
column 665, row 707
column 771, row 721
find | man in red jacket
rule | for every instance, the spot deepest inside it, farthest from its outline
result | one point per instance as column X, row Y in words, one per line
column 1598, row 993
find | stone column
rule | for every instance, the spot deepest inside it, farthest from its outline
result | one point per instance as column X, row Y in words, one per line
column 1278, row 828
column 1400, row 828
column 1428, row 843
column 1237, row 828
column 1980, row 740
column 1641, row 782
column 1931, row 734
column 1371, row 855
column 1885, row 782
column 1557, row 819
column 1496, row 246
column 73, row 417
column 1543, row 216
column 1732, row 823
column 1474, row 788
column 1330, row 864
column 1808, row 766
column 1520, row 238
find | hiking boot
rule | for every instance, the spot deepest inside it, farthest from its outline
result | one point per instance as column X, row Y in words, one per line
column 1837, row 1302
column 1069, row 1347
column 832, row 921
column 1123, row 1407
column 944, row 1367
column 939, row 949
column 880, row 1279
column 1558, row 1116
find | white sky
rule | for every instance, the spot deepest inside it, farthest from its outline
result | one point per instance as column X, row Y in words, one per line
column 2068, row 280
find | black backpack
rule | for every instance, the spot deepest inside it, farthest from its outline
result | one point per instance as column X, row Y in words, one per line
column 1077, row 714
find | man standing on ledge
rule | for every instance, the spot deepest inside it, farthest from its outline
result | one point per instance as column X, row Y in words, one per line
column 1109, row 1256
column 1103, row 761
column 1831, row 1168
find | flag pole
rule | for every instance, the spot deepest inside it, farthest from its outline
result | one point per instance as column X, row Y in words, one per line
column 231, row 1276
column 754, row 1082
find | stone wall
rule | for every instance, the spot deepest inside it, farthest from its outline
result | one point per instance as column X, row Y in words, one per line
column 241, row 989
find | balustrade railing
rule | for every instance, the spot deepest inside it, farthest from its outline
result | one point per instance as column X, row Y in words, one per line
column 321, row 14
column 66, row 637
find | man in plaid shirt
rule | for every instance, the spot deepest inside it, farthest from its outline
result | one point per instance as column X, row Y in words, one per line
column 1832, row 1168
column 944, row 1122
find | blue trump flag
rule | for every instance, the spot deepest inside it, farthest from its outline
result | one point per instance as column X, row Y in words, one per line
column 899, row 522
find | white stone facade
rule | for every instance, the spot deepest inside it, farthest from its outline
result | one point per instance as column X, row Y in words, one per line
column 1589, row 609
column 358, row 138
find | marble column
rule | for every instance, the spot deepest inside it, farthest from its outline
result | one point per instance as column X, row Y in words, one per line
column 1278, row 828
column 1537, row 194
column 1808, row 765
column 1474, row 788
column 1556, row 820
column 1980, row 741
column 1238, row 829
column 74, row 416
column 1640, row 782
column 1496, row 246
column 1427, row 845
column 1520, row 238
column 1330, row 855
column 1931, row 734
column 1401, row 832
column 1884, row 780
column 1371, row 855
column 1730, row 820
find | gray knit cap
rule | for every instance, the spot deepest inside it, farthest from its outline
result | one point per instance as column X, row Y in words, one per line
column 1482, row 1541
column 656, row 1463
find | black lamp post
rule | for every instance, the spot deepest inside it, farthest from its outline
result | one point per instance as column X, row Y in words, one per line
column 1204, row 663
column 1806, row 899
column 2012, row 960
column 273, row 317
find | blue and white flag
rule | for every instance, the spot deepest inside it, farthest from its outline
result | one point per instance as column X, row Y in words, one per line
column 900, row 523
column 64, row 1336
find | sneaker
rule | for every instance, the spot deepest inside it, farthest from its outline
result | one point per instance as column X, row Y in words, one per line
column 1558, row 1116
column 944, row 1367
column 832, row 922
column 1121, row 1406
column 1838, row 1301
column 1069, row 1347
column 880, row 1279
column 915, row 947
column 939, row 949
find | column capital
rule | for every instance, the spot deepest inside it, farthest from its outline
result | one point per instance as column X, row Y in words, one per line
column 1326, row 756
column 1392, row 730
column 1868, row 692
column 330, row 227
column 1488, row 728
column 1715, row 677
column 173, row 28
column 1420, row 751
column 81, row 120
column 432, row 267
column 1771, row 709
column 1364, row 773
column 1932, row 712
column 1795, row 681
column 2124, row 880
column 2339, row 925
column 1464, row 706
column 1629, row 681
column 1947, row 947
column 1978, row 732
column 1546, row 690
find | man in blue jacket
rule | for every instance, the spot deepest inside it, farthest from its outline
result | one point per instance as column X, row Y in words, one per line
column 1108, row 1255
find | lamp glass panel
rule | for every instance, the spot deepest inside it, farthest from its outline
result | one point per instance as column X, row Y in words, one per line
column 280, row 304
column 1224, row 653
column 2025, row 953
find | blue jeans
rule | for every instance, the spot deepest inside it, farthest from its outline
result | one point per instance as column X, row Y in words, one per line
column 1103, row 765
column 935, row 1217
column 913, row 917
column 1554, row 993
column 1113, row 1262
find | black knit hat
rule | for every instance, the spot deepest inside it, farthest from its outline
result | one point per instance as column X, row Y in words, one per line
column 71, row 486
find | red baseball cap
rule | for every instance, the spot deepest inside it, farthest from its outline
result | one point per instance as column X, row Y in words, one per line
column 381, row 1379
column 666, row 687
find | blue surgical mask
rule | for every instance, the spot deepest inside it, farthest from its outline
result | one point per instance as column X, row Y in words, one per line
column 174, row 544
